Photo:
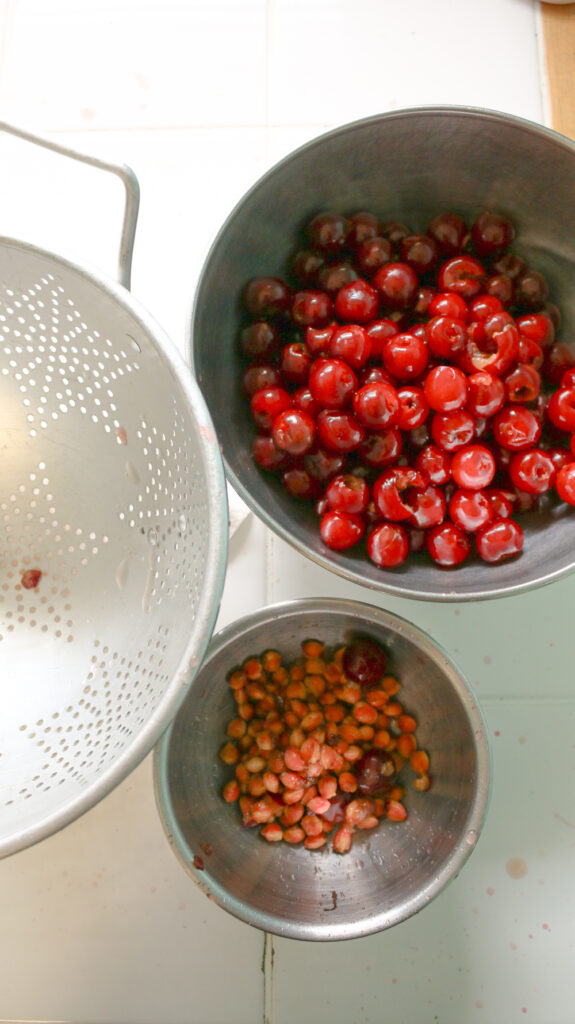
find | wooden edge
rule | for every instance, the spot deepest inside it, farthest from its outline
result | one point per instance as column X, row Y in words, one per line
column 558, row 25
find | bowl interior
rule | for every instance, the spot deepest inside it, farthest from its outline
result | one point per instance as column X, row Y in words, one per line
column 389, row 874
column 408, row 166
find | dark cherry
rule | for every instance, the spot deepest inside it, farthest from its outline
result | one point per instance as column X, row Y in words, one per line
column 501, row 287
column 361, row 226
column 328, row 232
column 339, row 431
column 491, row 233
column 299, row 484
column 364, row 661
column 394, row 230
column 372, row 254
column 266, row 297
column 381, row 448
column 511, row 265
column 264, row 376
column 375, row 773
column 295, row 362
column 323, row 465
column 531, row 290
column 420, row 251
column 260, row 341
column 311, row 308
column 450, row 232
column 266, row 455
column 334, row 276
column 305, row 267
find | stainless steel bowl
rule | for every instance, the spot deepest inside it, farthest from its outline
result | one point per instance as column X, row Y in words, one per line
column 406, row 165
column 389, row 874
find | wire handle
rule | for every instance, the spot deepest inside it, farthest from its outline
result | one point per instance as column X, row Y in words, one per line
column 122, row 171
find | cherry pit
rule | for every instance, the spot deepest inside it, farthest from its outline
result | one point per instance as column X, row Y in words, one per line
column 412, row 386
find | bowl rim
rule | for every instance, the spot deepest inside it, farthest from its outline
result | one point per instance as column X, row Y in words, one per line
column 386, row 583
column 273, row 923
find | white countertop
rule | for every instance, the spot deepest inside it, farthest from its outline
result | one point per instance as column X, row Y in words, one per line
column 99, row 924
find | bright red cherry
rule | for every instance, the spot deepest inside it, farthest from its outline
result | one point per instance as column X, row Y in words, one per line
column 516, row 428
column 413, row 407
column 445, row 388
column 350, row 343
column 376, row 405
column 486, row 394
column 405, row 356
column 388, row 545
column 446, row 336
column 389, row 488
column 533, row 471
column 357, row 302
column 473, row 467
column 561, row 409
column 463, row 275
column 295, row 362
column 449, row 304
column 522, row 384
column 348, row 493
column 565, row 483
column 499, row 539
column 332, row 383
column 452, row 430
column 293, row 431
column 470, row 509
column 448, row 545
column 339, row 430
column 434, row 463
column 538, row 327
column 341, row 530
column 379, row 332
column 428, row 506
column 267, row 403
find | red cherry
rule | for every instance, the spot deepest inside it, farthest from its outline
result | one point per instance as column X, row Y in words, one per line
column 434, row 464
column 379, row 332
column 470, row 509
column 259, row 341
column 361, row 226
column 473, row 467
column 501, row 502
column 428, row 506
column 305, row 267
column 339, row 431
column 293, row 431
column 388, row 546
column 561, row 408
column 304, row 400
column 533, row 471
column 449, row 304
column 350, row 343
column 486, row 394
column 516, row 428
column 445, row 388
column 531, row 290
column 565, row 483
column 448, row 544
column 538, row 327
column 376, row 405
column 499, row 539
column 332, row 383
column 388, row 488
column 317, row 339
column 405, row 356
column 265, row 453
column 348, row 493
column 452, row 430
column 446, row 336
column 493, row 344
column 341, row 530
column 397, row 284
column 463, row 275
column 267, row 403
column 522, row 384
column 557, row 359
column 413, row 407
column 295, row 362
column 333, row 276
column 357, row 302
column 382, row 448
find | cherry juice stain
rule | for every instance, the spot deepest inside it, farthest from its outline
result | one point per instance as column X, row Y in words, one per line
column 516, row 867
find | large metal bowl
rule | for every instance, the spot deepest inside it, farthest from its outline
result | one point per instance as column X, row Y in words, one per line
column 407, row 165
column 390, row 873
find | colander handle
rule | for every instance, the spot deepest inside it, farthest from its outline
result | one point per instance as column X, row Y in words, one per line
column 127, row 177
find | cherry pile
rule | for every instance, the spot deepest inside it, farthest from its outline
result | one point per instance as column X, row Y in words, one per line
column 412, row 386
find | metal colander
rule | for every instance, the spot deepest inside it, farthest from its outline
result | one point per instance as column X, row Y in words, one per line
column 113, row 489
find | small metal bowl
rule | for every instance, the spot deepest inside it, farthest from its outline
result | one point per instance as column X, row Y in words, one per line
column 408, row 166
column 390, row 873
